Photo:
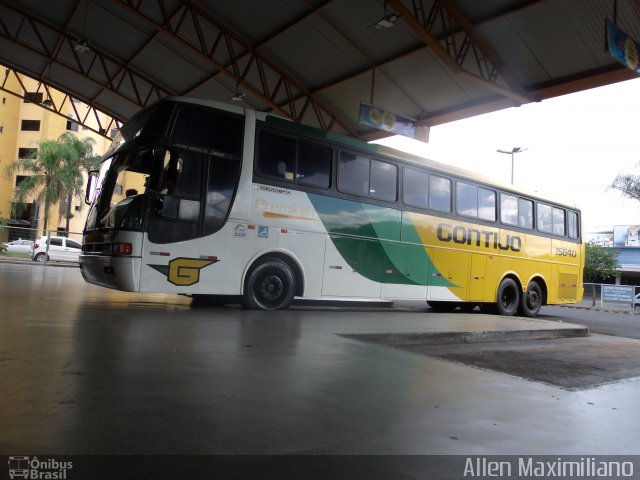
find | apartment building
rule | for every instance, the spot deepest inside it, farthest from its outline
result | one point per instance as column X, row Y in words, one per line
column 23, row 124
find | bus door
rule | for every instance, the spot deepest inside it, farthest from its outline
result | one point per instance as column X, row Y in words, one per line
column 476, row 280
column 348, row 277
column 454, row 267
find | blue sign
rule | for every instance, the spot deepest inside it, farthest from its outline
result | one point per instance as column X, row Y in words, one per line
column 618, row 293
column 622, row 47
column 383, row 120
column 263, row 232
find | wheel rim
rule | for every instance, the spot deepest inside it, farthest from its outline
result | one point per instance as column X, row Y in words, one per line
column 270, row 290
column 508, row 298
column 533, row 299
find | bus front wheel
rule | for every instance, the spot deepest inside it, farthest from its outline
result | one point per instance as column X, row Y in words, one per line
column 270, row 286
column 508, row 297
column 531, row 300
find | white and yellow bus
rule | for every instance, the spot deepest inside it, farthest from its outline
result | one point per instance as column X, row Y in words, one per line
column 201, row 198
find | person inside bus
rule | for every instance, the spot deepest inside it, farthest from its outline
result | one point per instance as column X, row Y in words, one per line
column 131, row 192
column 169, row 185
column 168, row 204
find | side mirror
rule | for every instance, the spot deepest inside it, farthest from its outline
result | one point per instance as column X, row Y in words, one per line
column 91, row 187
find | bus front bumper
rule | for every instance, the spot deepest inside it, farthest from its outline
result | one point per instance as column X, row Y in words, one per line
column 118, row 272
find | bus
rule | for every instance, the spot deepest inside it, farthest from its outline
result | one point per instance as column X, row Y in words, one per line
column 202, row 198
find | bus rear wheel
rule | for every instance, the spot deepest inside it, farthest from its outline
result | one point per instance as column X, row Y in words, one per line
column 270, row 286
column 508, row 297
column 531, row 300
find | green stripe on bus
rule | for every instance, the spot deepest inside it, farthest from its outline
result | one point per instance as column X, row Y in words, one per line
column 368, row 238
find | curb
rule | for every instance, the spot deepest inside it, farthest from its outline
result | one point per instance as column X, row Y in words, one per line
column 601, row 309
column 451, row 338
column 26, row 261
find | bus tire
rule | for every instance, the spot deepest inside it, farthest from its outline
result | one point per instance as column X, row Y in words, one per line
column 531, row 300
column 270, row 286
column 508, row 299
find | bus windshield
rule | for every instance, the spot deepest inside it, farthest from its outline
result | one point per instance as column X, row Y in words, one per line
column 159, row 189
column 172, row 172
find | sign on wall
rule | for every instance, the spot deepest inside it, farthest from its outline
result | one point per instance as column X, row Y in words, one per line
column 618, row 293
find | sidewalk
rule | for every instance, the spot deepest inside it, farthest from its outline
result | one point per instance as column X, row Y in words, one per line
column 22, row 260
column 611, row 307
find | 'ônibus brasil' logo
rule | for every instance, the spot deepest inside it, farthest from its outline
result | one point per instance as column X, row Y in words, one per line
column 183, row 271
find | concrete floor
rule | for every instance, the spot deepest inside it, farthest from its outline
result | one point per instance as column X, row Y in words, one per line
column 86, row 370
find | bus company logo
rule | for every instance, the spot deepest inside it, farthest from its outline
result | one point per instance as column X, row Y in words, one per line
column 472, row 236
column 36, row 469
column 183, row 272
column 288, row 211
column 240, row 231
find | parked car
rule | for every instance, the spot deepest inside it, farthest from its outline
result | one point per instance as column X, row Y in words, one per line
column 636, row 301
column 19, row 246
column 60, row 248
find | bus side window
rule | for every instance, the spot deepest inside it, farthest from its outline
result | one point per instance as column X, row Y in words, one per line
column 525, row 213
column 558, row 221
column 276, row 156
column 314, row 164
column 573, row 225
column 508, row 209
column 543, row 218
column 353, row 174
column 415, row 188
column 439, row 193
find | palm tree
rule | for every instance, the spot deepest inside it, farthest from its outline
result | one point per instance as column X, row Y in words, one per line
column 84, row 160
column 53, row 173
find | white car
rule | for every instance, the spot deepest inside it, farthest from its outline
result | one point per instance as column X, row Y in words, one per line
column 60, row 248
column 19, row 246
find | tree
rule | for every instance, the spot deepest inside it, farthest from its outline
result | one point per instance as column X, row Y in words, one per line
column 628, row 185
column 53, row 173
column 84, row 160
column 599, row 263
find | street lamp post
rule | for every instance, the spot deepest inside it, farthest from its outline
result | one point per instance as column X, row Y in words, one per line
column 513, row 152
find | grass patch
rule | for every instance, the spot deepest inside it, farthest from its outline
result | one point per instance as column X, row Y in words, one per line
column 15, row 254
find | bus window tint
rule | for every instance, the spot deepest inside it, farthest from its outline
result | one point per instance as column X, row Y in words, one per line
column 276, row 156
column 415, row 188
column 201, row 127
column 353, row 174
column 314, row 165
column 558, row 221
column 508, row 209
column 467, row 199
column 221, row 182
column 487, row 204
column 573, row 225
column 543, row 218
column 384, row 181
column 439, row 193
column 525, row 213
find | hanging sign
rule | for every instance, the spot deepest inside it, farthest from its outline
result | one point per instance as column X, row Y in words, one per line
column 381, row 119
column 622, row 47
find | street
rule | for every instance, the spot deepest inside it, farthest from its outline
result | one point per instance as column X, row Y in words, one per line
column 620, row 324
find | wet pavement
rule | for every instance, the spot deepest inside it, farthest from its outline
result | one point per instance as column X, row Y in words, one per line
column 86, row 370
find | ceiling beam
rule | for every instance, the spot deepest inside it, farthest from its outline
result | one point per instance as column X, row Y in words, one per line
column 94, row 65
column 483, row 68
column 61, row 108
column 275, row 88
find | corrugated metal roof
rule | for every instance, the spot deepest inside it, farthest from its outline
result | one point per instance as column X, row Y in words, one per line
column 313, row 59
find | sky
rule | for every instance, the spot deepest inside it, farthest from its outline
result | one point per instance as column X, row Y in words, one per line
column 575, row 146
